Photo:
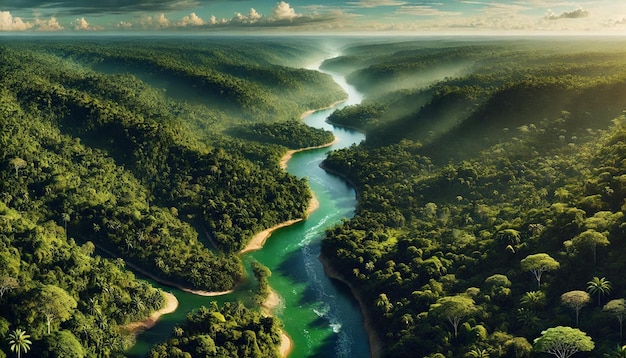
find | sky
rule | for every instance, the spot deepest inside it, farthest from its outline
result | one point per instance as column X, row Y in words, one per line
column 315, row 16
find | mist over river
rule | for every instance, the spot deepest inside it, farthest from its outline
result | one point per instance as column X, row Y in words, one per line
column 319, row 314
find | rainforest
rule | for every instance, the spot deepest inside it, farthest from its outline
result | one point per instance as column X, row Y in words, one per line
column 482, row 196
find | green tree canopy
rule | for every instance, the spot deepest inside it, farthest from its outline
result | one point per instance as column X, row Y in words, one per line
column 62, row 344
column 590, row 239
column 538, row 264
column 617, row 308
column 575, row 300
column 563, row 342
column 55, row 303
column 454, row 308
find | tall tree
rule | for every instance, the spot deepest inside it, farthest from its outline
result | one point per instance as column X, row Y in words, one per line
column 538, row 264
column 7, row 283
column 454, row 308
column 563, row 342
column 19, row 342
column 599, row 286
column 17, row 163
column 590, row 239
column 54, row 303
column 617, row 308
column 575, row 300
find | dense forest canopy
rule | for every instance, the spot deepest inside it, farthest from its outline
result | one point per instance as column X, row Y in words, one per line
column 491, row 195
column 124, row 146
column 491, row 186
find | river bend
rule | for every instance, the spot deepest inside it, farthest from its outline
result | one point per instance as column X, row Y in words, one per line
column 319, row 314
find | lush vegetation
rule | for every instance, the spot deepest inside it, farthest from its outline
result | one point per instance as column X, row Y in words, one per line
column 228, row 331
column 293, row 135
column 491, row 195
column 125, row 148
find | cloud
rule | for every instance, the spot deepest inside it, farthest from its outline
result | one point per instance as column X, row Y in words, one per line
column 190, row 20
column 576, row 14
column 156, row 22
column 497, row 7
column 282, row 15
column 283, row 11
column 49, row 25
column 82, row 25
column 10, row 23
column 252, row 17
column 124, row 25
column 376, row 3
column 423, row 10
column 82, row 7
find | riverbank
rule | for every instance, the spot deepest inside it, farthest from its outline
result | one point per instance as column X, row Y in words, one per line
column 285, row 158
column 258, row 240
column 375, row 343
column 272, row 301
column 171, row 304
column 311, row 111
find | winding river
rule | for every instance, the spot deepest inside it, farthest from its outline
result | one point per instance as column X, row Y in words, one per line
column 319, row 314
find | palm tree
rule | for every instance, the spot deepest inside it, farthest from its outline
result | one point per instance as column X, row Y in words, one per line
column 599, row 286
column 533, row 300
column 19, row 342
column 66, row 218
column 478, row 353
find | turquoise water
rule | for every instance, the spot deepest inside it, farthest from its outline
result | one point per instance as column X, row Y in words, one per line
column 319, row 314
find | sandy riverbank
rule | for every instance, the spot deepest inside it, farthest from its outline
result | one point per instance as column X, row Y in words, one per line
column 375, row 343
column 311, row 111
column 258, row 240
column 171, row 303
column 285, row 158
column 272, row 301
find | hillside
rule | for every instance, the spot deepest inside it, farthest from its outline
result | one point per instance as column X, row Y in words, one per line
column 124, row 147
column 519, row 154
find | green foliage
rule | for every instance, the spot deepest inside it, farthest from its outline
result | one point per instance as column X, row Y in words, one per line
column 563, row 342
column 19, row 341
column 538, row 264
column 454, row 309
column 487, row 174
column 244, row 333
column 599, row 287
column 126, row 148
column 575, row 300
column 61, row 344
column 291, row 134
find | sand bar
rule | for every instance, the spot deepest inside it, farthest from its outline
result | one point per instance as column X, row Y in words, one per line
column 171, row 303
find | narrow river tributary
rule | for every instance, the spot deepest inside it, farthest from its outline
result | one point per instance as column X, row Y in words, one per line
column 319, row 314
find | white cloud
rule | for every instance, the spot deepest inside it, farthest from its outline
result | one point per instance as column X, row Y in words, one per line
column 49, row 25
column 82, row 25
column 252, row 17
column 154, row 22
column 283, row 11
column 190, row 20
column 124, row 25
column 10, row 23
column 161, row 21
column 576, row 14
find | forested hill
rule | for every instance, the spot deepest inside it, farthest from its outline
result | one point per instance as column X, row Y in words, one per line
column 491, row 198
column 129, row 146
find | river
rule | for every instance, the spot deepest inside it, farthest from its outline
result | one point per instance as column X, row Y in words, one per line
column 319, row 314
